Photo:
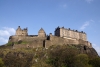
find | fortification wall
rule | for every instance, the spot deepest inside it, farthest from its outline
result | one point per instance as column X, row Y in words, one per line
column 54, row 40
column 48, row 43
column 32, row 44
column 13, row 38
column 34, row 38
column 89, row 44
column 25, row 38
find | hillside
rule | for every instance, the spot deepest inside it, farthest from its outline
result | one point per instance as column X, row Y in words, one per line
column 54, row 56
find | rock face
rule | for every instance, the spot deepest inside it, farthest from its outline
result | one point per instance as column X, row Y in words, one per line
column 80, row 49
column 89, row 51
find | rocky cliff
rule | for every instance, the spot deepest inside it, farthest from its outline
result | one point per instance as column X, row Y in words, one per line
column 42, row 57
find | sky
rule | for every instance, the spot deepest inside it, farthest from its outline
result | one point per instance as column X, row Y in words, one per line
column 81, row 15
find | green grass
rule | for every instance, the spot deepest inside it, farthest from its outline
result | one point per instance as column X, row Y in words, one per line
column 11, row 43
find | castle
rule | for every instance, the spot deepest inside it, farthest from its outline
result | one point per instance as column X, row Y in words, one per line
column 62, row 36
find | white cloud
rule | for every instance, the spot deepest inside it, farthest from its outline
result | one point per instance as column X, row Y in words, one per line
column 86, row 24
column 3, row 40
column 97, row 48
column 89, row 1
column 5, row 32
column 12, row 30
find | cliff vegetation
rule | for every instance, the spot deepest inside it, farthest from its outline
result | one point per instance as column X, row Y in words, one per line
column 54, row 56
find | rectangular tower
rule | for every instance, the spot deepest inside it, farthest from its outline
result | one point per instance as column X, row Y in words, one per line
column 70, row 34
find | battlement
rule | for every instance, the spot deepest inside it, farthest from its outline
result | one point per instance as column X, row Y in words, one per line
column 69, row 29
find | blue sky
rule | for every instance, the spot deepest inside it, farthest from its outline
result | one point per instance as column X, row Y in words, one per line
column 82, row 15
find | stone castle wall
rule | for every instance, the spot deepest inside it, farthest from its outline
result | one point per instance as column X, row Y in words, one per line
column 32, row 44
column 41, row 40
column 54, row 40
column 25, row 38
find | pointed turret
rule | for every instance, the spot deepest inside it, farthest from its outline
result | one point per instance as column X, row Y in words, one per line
column 41, row 30
column 18, row 28
column 18, row 31
column 41, row 33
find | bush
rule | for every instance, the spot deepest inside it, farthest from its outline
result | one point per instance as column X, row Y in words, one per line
column 9, row 43
column 1, row 63
column 80, row 60
column 95, row 62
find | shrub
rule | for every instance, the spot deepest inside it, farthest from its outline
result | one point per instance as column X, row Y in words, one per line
column 1, row 63
column 95, row 62
column 9, row 43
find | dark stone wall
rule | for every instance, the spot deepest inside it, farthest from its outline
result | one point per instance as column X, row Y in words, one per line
column 34, row 42
column 54, row 40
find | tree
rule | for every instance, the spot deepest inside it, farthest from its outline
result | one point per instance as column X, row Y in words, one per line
column 81, row 60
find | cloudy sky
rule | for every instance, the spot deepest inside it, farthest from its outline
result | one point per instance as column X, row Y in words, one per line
column 82, row 15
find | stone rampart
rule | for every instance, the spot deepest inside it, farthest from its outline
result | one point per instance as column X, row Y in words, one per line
column 35, row 41
column 54, row 40
column 25, row 38
column 31, row 44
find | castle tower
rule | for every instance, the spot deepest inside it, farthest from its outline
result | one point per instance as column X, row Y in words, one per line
column 41, row 33
column 57, row 31
column 24, row 32
column 70, row 34
column 20, row 31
